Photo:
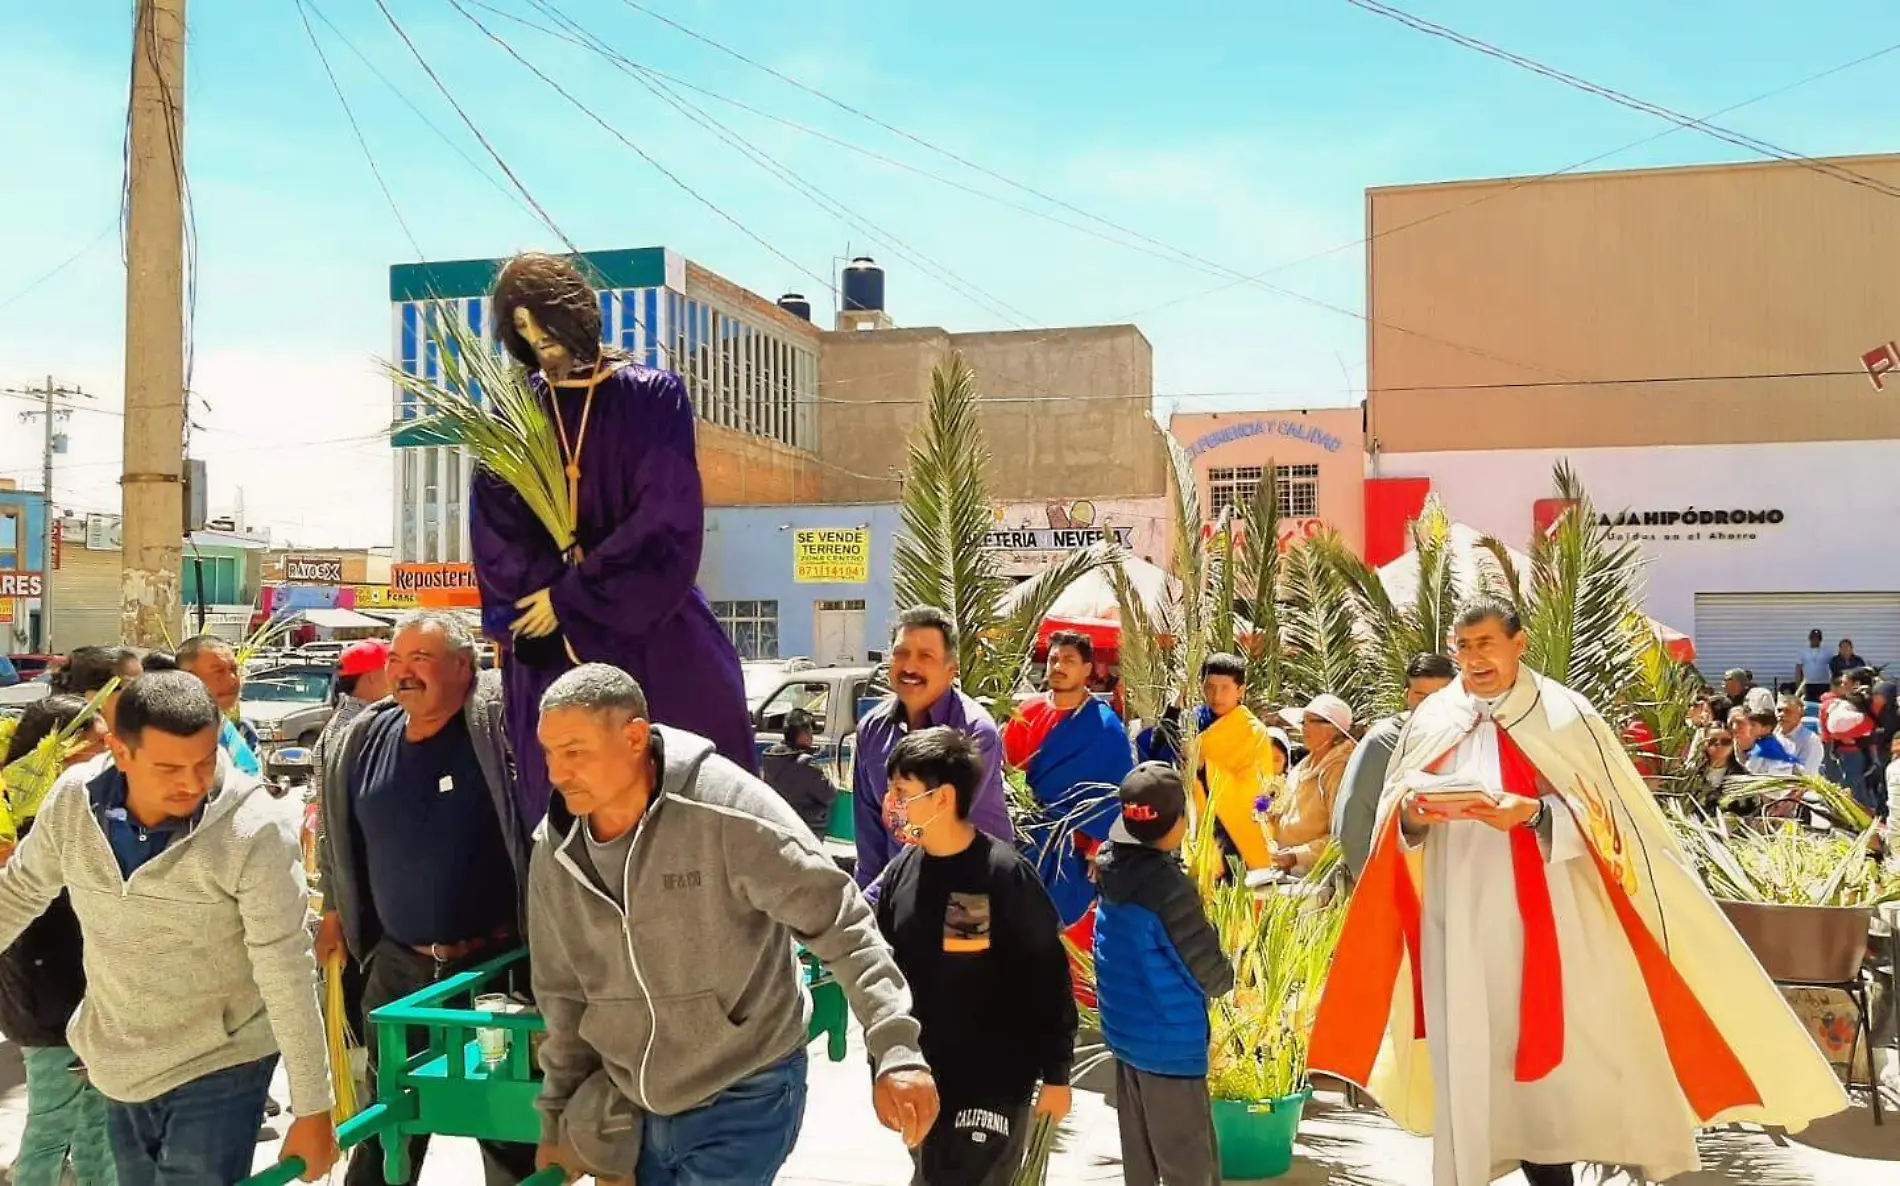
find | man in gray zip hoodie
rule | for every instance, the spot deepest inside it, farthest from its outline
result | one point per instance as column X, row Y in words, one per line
column 662, row 922
column 187, row 878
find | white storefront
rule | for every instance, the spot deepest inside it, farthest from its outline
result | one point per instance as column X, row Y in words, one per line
column 1747, row 547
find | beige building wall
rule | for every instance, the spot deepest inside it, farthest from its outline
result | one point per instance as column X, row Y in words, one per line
column 1332, row 440
column 1066, row 412
column 1607, row 309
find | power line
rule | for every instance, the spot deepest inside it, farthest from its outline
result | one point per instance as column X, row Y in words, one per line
column 643, row 76
column 440, row 86
column 1753, row 144
column 1491, row 195
column 1192, row 258
column 70, row 260
column 404, row 99
column 357, row 130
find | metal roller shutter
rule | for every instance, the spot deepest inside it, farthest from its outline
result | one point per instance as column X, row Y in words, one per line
column 85, row 590
column 1766, row 632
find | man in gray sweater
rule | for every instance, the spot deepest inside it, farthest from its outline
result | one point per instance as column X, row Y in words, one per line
column 187, row 878
column 665, row 892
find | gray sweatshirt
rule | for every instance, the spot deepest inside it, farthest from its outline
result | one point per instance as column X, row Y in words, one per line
column 197, row 963
column 662, row 1007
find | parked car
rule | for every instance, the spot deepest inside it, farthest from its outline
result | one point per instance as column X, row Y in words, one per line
column 30, row 667
column 288, row 703
column 837, row 698
column 763, row 677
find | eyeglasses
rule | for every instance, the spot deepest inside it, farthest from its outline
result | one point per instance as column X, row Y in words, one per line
column 1721, row 743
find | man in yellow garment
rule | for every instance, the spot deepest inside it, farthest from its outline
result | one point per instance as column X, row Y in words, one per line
column 1238, row 758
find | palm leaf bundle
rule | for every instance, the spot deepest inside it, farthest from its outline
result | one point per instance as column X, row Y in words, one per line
column 1783, row 862
column 485, row 403
column 30, row 778
column 1042, row 1145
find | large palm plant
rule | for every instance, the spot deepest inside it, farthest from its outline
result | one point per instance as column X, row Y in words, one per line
column 1582, row 603
column 1394, row 632
column 942, row 554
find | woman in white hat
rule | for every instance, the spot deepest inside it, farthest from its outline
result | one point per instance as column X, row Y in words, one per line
column 1300, row 821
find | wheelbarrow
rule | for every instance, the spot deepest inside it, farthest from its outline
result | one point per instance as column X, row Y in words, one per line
column 449, row 1089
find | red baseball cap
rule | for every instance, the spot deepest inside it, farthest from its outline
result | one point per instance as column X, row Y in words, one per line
column 361, row 658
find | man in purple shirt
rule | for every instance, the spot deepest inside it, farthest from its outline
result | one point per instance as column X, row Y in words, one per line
column 923, row 675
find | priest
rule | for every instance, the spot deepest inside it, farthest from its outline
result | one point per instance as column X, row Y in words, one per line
column 626, row 594
column 1530, row 970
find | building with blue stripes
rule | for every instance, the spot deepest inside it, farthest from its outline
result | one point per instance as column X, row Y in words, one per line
column 750, row 366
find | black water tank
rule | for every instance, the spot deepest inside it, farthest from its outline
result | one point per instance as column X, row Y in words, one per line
column 863, row 285
column 796, row 304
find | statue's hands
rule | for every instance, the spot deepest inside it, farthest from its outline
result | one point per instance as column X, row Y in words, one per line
column 538, row 620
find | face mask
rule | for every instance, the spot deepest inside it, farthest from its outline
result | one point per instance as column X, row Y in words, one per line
column 898, row 820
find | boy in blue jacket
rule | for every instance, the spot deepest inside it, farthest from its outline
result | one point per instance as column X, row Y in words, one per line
column 1157, row 962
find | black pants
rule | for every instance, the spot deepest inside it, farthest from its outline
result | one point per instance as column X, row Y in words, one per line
column 979, row 1139
column 391, row 973
column 1548, row 1175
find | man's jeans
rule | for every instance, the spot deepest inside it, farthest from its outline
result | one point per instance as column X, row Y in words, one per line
column 201, row 1134
column 741, row 1138
column 64, row 1114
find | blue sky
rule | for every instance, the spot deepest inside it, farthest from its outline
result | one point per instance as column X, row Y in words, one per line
column 1243, row 133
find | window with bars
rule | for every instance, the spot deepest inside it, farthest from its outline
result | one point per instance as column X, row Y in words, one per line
column 1235, row 486
column 752, row 626
column 743, row 377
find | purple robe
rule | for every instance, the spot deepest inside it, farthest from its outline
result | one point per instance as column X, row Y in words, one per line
column 632, row 600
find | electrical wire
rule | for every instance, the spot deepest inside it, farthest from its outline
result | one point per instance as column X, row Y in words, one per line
column 960, row 285
column 406, row 101
column 1754, row 144
column 356, row 129
column 70, row 260
column 440, row 86
column 1515, row 184
column 1192, row 258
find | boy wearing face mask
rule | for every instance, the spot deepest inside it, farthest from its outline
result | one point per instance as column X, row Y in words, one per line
column 978, row 938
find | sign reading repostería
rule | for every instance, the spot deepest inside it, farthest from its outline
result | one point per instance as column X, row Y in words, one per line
column 831, row 555
column 313, row 570
column 22, row 584
column 436, row 586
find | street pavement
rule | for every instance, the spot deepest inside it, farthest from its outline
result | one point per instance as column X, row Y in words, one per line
column 842, row 1144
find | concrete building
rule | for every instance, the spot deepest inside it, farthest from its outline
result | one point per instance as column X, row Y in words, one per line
column 751, row 367
column 806, row 581
column 1067, row 412
column 1319, row 456
column 23, row 567
column 1709, row 347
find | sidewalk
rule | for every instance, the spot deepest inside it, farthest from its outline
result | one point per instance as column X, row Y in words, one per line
column 842, row 1144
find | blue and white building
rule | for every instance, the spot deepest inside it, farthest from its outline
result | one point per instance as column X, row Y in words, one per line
column 775, row 608
column 750, row 365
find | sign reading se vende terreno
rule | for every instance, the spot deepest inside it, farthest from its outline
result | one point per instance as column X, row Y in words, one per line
column 831, row 555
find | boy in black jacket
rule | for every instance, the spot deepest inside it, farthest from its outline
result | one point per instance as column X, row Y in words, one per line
column 980, row 943
column 1157, row 962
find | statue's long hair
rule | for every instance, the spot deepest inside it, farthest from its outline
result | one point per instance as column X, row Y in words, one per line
column 561, row 299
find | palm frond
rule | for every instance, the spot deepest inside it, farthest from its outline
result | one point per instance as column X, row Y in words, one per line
column 1321, row 634
column 1585, row 595
column 1149, row 682
column 485, row 403
column 1439, row 591
column 941, row 554
column 1259, row 585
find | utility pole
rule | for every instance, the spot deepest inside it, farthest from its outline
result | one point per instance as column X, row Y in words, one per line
column 54, row 443
column 152, row 485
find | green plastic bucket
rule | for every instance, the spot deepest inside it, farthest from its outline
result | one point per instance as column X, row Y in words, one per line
column 1256, row 1136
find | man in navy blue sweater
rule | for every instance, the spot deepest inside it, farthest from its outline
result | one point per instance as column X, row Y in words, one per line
column 1157, row 963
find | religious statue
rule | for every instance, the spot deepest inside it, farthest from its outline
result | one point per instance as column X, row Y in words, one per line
column 624, row 593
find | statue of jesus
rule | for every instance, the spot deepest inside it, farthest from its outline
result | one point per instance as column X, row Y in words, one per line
column 625, row 594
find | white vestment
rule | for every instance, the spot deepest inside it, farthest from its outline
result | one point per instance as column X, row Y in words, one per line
column 1613, row 1098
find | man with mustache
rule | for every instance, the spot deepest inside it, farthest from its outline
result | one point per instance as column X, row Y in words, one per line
column 423, row 856
column 924, row 695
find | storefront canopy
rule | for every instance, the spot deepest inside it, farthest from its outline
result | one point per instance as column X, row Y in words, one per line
column 341, row 619
column 1093, row 597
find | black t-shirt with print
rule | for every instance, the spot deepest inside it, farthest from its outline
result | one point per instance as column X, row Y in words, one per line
column 981, row 945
